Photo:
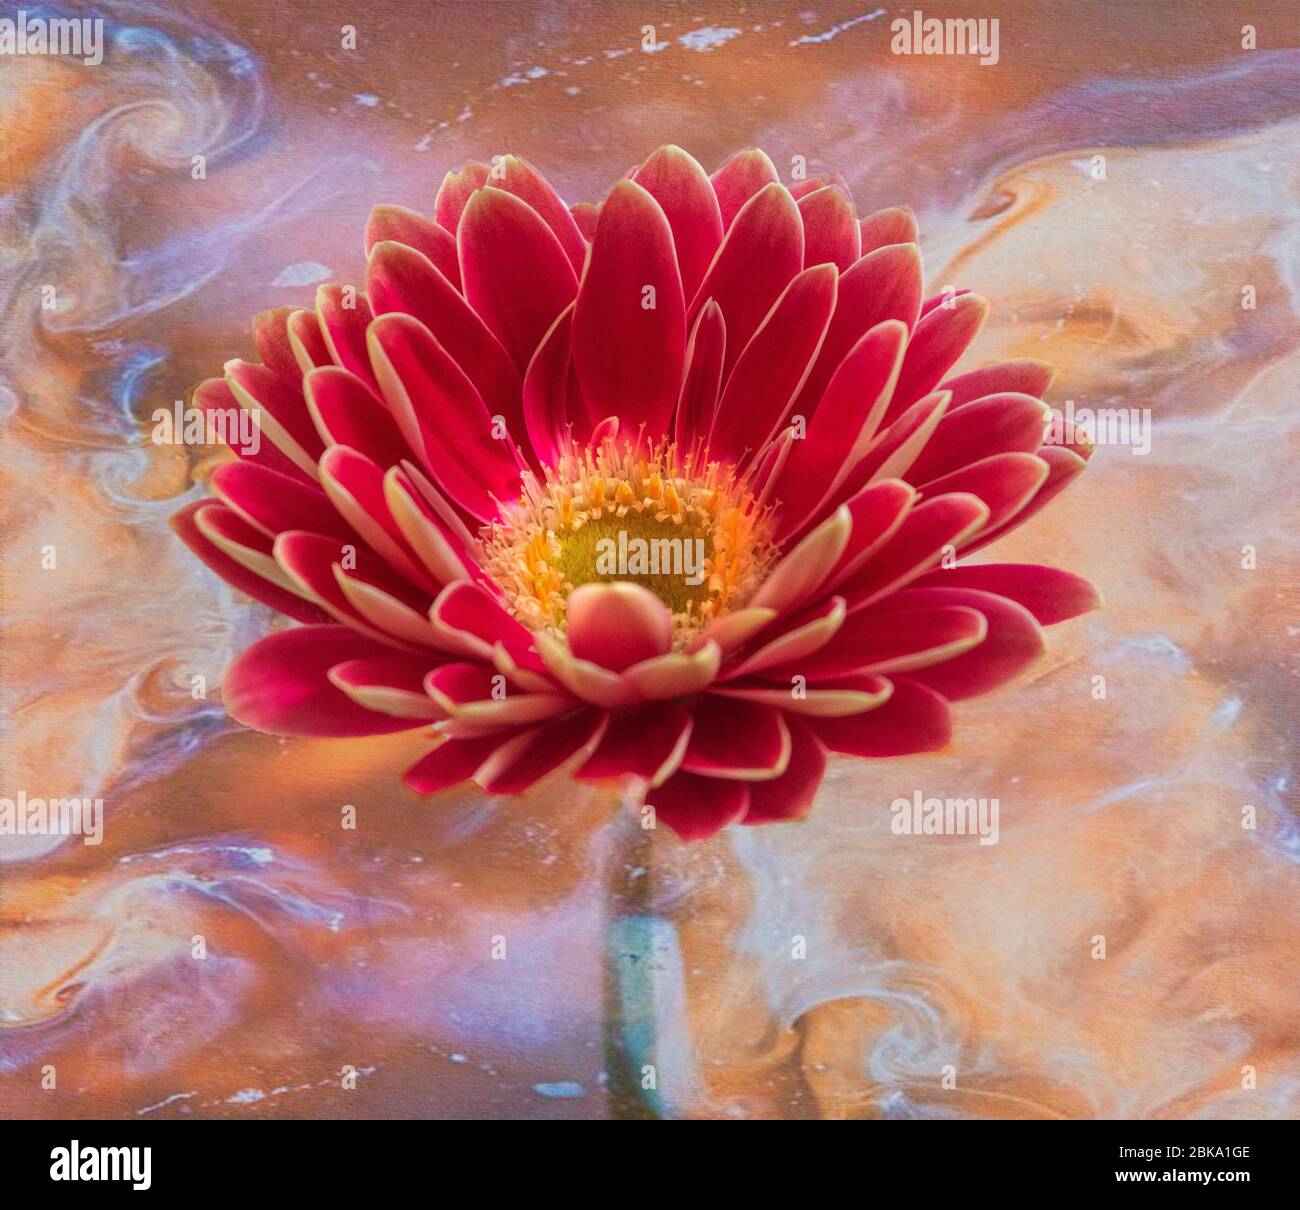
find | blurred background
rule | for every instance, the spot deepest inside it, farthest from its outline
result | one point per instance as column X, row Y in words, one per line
column 829, row 969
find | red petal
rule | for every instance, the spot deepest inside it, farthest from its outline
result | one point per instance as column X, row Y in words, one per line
column 1013, row 644
column 897, row 225
column 1062, row 468
column 402, row 226
column 769, row 373
column 222, row 413
column 915, row 548
column 344, row 315
column 307, row 341
column 585, row 215
column 996, row 424
column 1050, row 594
column 697, row 807
column 629, row 356
column 546, row 384
column 881, row 643
column 518, row 176
column 236, row 574
column 742, row 176
column 705, row 352
column 847, row 415
column 347, row 412
column 1005, row 482
column 400, row 279
column 760, row 255
column 454, row 192
column 452, row 762
column 790, row 796
column 1023, row 377
column 516, row 274
column 938, row 342
column 883, row 285
column 915, row 719
column 274, row 502
column 737, row 739
column 280, row 685
column 271, row 336
column 641, row 741
column 279, row 410
column 529, row 757
column 830, row 229
column 681, row 187
column 441, row 414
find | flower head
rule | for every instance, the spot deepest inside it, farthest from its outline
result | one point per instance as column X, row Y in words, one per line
column 673, row 489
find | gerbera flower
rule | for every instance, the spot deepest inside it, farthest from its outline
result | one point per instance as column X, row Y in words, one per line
column 719, row 366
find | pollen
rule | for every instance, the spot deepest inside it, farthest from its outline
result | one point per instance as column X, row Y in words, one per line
column 693, row 532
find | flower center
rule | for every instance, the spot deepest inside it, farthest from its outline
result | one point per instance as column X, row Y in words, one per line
column 690, row 531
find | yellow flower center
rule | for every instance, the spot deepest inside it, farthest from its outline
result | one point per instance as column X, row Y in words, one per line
column 690, row 531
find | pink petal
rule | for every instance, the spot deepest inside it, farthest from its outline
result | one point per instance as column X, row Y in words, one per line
column 281, row 685
column 877, row 513
column 471, row 612
column 617, row 625
column 629, row 354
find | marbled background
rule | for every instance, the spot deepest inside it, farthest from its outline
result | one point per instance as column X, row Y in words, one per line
column 371, row 948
